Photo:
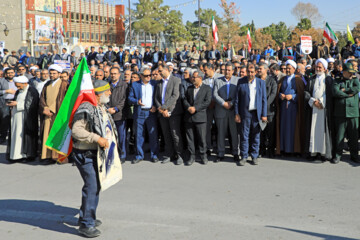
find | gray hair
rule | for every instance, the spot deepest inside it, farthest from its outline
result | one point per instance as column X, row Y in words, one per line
column 143, row 69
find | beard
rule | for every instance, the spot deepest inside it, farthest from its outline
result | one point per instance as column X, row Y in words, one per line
column 104, row 99
column 319, row 73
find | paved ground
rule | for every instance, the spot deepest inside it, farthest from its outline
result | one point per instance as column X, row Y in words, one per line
column 279, row 199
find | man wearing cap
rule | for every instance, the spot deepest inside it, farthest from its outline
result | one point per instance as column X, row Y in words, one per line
column 290, row 114
column 88, row 135
column 318, row 113
column 51, row 98
column 24, row 122
column 346, row 112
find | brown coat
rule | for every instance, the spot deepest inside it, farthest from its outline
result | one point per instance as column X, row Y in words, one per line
column 63, row 88
column 299, row 125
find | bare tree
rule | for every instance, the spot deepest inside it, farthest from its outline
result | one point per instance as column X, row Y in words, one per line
column 306, row 10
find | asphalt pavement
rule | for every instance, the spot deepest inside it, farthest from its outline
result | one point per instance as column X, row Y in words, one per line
column 285, row 198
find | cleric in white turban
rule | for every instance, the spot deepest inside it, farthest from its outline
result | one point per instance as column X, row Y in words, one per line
column 56, row 67
column 290, row 127
column 323, row 62
column 24, row 122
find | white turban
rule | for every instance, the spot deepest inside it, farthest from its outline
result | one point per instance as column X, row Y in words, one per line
column 33, row 68
column 323, row 62
column 308, row 66
column 21, row 79
column 56, row 68
column 170, row 64
column 126, row 64
column 330, row 60
column 292, row 63
column 149, row 64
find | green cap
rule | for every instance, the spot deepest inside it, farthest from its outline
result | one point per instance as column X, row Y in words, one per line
column 349, row 67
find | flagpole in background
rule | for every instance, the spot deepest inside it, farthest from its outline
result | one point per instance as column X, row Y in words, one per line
column 55, row 24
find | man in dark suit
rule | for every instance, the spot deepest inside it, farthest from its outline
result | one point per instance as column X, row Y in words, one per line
column 29, row 60
column 147, row 56
column 214, row 54
column 110, row 55
column 91, row 55
column 156, row 56
column 119, row 90
column 119, row 56
column 168, row 103
column 267, row 143
column 197, row 99
column 283, row 52
column 167, row 55
column 141, row 96
column 250, row 109
column 244, row 51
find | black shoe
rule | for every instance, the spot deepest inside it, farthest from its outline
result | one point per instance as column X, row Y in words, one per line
column 155, row 160
column 48, row 161
column 90, row 232
column 208, row 152
column 335, row 160
column 242, row 162
column 97, row 222
column 236, row 158
column 2, row 140
column 255, row 161
column 166, row 160
column 122, row 161
column 190, row 162
column 204, row 160
column 179, row 161
column 219, row 159
column 355, row 160
column 135, row 161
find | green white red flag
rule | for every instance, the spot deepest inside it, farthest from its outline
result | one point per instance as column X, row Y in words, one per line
column 329, row 34
column 214, row 31
column 249, row 40
column 80, row 90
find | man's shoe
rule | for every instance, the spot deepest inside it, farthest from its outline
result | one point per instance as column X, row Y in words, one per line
column 135, row 161
column 335, row 160
column 155, row 160
column 190, row 162
column 255, row 161
column 242, row 162
column 179, row 161
column 355, row 160
column 97, row 222
column 208, row 152
column 204, row 160
column 219, row 159
column 236, row 158
column 166, row 160
column 90, row 232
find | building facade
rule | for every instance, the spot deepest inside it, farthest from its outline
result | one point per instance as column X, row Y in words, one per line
column 50, row 23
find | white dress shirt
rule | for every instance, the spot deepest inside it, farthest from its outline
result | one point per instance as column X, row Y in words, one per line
column 165, row 82
column 146, row 95
column 252, row 88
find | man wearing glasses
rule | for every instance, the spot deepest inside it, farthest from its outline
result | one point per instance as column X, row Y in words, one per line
column 141, row 96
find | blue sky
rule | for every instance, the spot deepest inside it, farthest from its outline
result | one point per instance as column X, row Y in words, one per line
column 265, row 12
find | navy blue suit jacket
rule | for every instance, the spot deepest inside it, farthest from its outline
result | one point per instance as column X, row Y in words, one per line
column 242, row 99
column 136, row 94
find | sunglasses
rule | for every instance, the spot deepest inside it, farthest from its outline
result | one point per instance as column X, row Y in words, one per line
column 283, row 68
column 147, row 75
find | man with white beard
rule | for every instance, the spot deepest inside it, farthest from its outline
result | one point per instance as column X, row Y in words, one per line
column 318, row 113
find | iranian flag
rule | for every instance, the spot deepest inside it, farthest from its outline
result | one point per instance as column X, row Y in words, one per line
column 249, row 40
column 80, row 90
column 214, row 30
column 329, row 34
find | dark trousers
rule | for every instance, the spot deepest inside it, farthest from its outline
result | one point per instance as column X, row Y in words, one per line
column 223, row 124
column 267, row 136
column 4, row 121
column 172, row 135
column 209, row 124
column 198, row 131
column 250, row 136
column 146, row 120
column 91, row 188
column 348, row 126
column 121, row 128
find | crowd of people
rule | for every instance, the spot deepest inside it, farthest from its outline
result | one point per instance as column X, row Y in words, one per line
column 266, row 103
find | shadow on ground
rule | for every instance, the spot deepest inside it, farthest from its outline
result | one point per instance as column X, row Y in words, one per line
column 42, row 214
column 314, row 234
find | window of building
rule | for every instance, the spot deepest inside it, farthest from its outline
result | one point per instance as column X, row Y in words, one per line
column 105, row 20
column 82, row 35
column 97, row 36
column 92, row 35
column 77, row 16
column 101, row 19
column 72, row 15
column 87, row 17
column 67, row 34
column 78, row 35
column 88, row 35
column 92, row 18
